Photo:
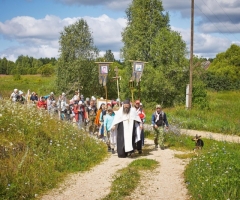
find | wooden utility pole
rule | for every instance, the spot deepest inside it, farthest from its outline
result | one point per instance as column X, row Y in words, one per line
column 191, row 58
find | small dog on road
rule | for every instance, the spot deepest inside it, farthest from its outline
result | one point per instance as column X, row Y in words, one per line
column 198, row 143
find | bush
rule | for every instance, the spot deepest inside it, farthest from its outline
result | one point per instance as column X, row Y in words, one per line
column 37, row 151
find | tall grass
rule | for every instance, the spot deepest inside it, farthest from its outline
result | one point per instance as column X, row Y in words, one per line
column 222, row 115
column 37, row 151
column 215, row 173
column 212, row 173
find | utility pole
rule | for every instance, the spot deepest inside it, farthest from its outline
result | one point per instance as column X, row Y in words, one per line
column 117, row 78
column 191, row 58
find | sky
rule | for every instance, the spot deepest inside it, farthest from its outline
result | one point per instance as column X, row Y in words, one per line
column 32, row 27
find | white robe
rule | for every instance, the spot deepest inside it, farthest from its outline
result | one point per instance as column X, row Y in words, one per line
column 128, row 120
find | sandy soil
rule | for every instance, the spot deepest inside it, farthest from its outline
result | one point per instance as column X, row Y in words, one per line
column 165, row 182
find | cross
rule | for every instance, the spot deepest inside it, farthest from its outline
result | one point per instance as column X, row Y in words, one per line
column 116, row 71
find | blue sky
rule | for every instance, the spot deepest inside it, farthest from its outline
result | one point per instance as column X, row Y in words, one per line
column 32, row 27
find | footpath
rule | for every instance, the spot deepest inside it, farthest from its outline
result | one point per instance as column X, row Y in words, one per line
column 165, row 182
column 213, row 136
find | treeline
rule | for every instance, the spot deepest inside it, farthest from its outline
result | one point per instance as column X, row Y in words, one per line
column 147, row 37
column 224, row 71
column 28, row 65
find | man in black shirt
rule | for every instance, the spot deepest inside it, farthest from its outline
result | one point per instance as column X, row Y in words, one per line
column 159, row 121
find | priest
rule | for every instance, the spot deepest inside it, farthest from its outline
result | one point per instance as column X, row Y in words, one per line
column 127, row 125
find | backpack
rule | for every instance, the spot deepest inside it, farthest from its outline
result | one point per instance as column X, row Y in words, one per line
column 160, row 122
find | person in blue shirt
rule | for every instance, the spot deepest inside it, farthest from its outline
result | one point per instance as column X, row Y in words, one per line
column 159, row 121
column 111, row 135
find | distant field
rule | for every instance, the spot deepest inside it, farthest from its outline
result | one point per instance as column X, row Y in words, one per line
column 36, row 83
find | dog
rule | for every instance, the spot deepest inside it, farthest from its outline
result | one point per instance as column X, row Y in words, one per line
column 198, row 143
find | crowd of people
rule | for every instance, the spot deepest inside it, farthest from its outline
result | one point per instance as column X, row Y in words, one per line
column 119, row 124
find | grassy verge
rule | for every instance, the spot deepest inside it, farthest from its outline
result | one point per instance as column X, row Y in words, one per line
column 222, row 116
column 36, row 151
column 213, row 173
column 127, row 179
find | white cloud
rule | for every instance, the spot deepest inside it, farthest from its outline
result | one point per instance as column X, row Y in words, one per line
column 106, row 31
column 28, row 27
column 204, row 45
column 39, row 37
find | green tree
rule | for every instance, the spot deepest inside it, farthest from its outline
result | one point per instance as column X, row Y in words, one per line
column 109, row 56
column 145, row 18
column 6, row 66
column 46, row 70
column 148, row 37
column 23, row 63
column 76, row 65
column 3, row 65
column 224, row 71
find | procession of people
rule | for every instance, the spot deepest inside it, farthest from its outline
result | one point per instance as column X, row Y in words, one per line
column 119, row 124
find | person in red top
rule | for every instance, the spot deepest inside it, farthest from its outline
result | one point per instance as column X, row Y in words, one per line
column 42, row 104
column 76, row 111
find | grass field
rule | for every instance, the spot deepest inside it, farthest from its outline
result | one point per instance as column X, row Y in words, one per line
column 36, row 83
column 37, row 152
column 222, row 116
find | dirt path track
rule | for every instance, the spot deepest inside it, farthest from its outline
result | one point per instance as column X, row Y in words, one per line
column 166, row 182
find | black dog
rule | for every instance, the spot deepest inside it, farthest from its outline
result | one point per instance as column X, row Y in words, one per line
column 198, row 142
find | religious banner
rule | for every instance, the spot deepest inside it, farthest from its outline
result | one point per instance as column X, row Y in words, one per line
column 103, row 69
column 138, row 67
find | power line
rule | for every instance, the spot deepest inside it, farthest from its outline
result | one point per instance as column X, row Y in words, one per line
column 224, row 34
column 226, row 14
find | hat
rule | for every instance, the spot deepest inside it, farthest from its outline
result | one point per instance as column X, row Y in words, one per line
column 158, row 106
column 81, row 96
column 51, row 93
column 141, row 104
column 80, row 102
column 20, row 92
column 127, row 101
column 15, row 90
column 87, row 99
column 63, row 94
column 118, row 100
column 137, row 101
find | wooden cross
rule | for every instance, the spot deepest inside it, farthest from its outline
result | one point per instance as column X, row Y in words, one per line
column 116, row 71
